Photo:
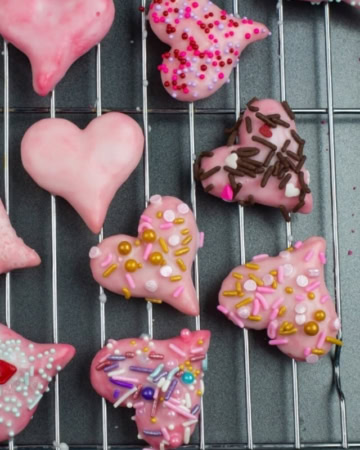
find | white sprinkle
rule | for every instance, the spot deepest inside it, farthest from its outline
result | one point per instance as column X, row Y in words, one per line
column 302, row 280
column 94, row 252
column 183, row 208
column 169, row 215
column 166, row 271
column 187, row 434
column 151, row 285
column 174, row 240
column 250, row 285
column 125, row 396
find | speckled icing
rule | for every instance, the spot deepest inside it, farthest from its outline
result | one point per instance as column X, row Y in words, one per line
column 53, row 35
column 86, row 167
column 355, row 3
column 157, row 264
column 287, row 295
column 266, row 166
column 161, row 380
column 206, row 43
column 14, row 254
column 26, row 369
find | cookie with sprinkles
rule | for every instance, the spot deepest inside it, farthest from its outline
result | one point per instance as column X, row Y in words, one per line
column 206, row 44
column 266, row 166
column 161, row 380
column 26, row 369
column 287, row 296
column 156, row 265
column 14, row 253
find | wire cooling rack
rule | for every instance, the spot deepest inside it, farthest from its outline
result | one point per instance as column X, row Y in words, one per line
column 193, row 112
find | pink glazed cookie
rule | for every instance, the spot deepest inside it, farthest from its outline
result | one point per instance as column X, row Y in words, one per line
column 54, row 34
column 265, row 167
column 26, row 369
column 157, row 264
column 287, row 295
column 14, row 254
column 206, row 43
column 162, row 380
column 86, row 167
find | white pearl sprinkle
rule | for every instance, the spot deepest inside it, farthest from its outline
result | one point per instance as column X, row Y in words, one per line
column 302, row 281
column 169, row 215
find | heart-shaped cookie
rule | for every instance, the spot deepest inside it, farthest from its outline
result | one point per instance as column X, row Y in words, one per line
column 266, row 166
column 287, row 295
column 206, row 43
column 157, row 264
column 14, row 254
column 86, row 167
column 162, row 380
column 26, row 369
column 54, row 34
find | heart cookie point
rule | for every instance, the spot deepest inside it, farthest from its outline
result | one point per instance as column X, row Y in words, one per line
column 86, row 167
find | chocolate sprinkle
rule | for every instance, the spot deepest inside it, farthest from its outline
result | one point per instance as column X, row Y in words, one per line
column 265, row 119
column 266, row 176
column 291, row 164
column 247, row 151
column 284, row 181
column 282, row 159
column 303, row 185
column 292, row 155
column 206, row 154
column 280, row 122
column 300, row 149
column 299, row 206
column 269, row 157
column 285, row 213
column 250, row 107
column 300, row 164
column 232, row 181
column 288, row 110
column 232, row 138
column 234, row 171
column 264, row 142
column 248, row 124
column 286, row 145
column 297, row 137
column 209, row 187
column 235, row 127
column 209, row 173
column 237, row 189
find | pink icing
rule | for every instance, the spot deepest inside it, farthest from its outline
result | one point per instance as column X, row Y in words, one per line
column 289, row 195
column 14, row 254
column 86, row 167
column 154, row 281
column 304, row 308
column 206, row 44
column 166, row 406
column 38, row 27
column 32, row 368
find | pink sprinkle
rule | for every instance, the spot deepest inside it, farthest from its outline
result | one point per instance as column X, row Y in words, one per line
column 175, row 401
column 196, row 350
column 177, row 350
column 271, row 331
column 321, row 339
column 299, row 297
column 166, row 226
column 227, row 193
column 262, row 300
column 280, row 274
column 165, row 433
column 350, row 252
column 130, row 280
column 202, row 77
column 211, row 37
column 265, row 289
column 221, row 75
column 312, row 286
column 256, row 30
column 260, row 257
column 201, row 239
column 250, row 21
column 278, row 341
column 307, row 351
column 138, row 405
column 222, row 309
column 309, row 255
column 186, row 90
column 144, row 226
column 177, row 21
column 181, row 411
column 107, row 260
column 277, row 302
column 298, row 244
column 274, row 314
column 324, row 299
column 178, row 291
column 147, row 251
column 247, row 36
column 127, row 379
column 236, row 320
column 194, row 5
column 244, row 21
column 256, row 307
column 322, row 257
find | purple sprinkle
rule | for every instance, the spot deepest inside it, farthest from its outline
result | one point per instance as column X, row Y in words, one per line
column 141, row 369
column 158, row 378
column 171, row 389
column 110, row 368
column 116, row 358
column 195, row 409
column 152, row 433
column 124, row 384
column 116, row 394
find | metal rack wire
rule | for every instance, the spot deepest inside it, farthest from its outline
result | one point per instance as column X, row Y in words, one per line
column 192, row 112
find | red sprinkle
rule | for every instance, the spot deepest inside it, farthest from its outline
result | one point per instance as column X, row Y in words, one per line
column 265, row 131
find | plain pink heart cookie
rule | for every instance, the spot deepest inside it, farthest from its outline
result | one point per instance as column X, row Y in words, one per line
column 157, row 264
column 266, row 167
column 26, row 369
column 206, row 43
column 86, row 167
column 162, row 380
column 53, row 35
column 14, row 254
column 355, row 3
column 287, row 295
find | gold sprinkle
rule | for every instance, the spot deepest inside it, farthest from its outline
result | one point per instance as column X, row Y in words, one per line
column 145, row 349
column 159, row 214
column 282, row 311
column 199, row 393
column 255, row 318
column 109, row 270
column 317, row 351
column 290, row 249
column 182, row 251
column 126, row 292
column 289, row 290
column 238, row 286
column 181, row 367
column 179, row 221
column 256, row 279
column 197, row 372
column 274, row 285
column 200, row 342
column 187, row 363
column 176, row 278
column 163, row 245
column 137, row 242
column 273, row 273
column 238, row 276
column 181, row 264
column 185, row 231
column 319, row 315
column 244, row 302
column 287, row 332
column 333, row 340
column 154, row 300
column 153, row 420
column 252, row 266
column 132, row 342
column 230, row 293
column 311, row 296
column 187, row 240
